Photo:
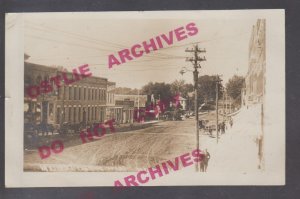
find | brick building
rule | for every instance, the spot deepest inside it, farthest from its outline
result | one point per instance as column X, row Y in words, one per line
column 83, row 101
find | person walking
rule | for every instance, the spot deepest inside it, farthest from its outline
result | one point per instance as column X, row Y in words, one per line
column 202, row 163
column 231, row 122
column 206, row 159
column 223, row 127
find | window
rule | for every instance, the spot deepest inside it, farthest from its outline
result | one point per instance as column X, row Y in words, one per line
column 93, row 109
column 58, row 115
column 75, row 93
column 66, row 91
column 84, row 93
column 93, row 90
column 38, row 80
column 75, row 115
column 87, row 94
column 58, row 92
column 66, row 112
column 94, row 94
column 79, row 114
column 70, row 93
column 69, row 118
column 79, row 93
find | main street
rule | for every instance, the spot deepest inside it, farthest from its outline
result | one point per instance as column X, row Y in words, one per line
column 140, row 149
column 124, row 151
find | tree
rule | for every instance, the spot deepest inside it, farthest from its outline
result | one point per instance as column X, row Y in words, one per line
column 159, row 90
column 234, row 87
column 179, row 86
column 207, row 88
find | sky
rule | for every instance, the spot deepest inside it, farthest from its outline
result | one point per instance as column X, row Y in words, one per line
column 73, row 39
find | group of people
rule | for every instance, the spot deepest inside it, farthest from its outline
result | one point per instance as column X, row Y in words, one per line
column 222, row 126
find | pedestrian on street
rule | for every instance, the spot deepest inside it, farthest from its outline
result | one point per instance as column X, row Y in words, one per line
column 202, row 166
column 202, row 163
column 223, row 127
column 231, row 122
column 210, row 131
column 206, row 159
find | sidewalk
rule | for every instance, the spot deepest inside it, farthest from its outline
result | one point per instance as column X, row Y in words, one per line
column 236, row 151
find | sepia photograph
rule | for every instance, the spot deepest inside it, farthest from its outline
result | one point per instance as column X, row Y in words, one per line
column 146, row 98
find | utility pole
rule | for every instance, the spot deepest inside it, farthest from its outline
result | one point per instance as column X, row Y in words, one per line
column 138, row 111
column 196, row 63
column 226, row 99
column 217, row 107
column 230, row 105
column 223, row 104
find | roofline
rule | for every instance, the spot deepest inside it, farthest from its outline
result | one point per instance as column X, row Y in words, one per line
column 51, row 67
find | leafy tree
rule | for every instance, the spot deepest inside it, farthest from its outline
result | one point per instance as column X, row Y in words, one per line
column 207, row 88
column 159, row 90
column 179, row 86
column 234, row 87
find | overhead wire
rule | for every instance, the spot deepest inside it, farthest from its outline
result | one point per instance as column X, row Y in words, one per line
column 153, row 58
column 84, row 37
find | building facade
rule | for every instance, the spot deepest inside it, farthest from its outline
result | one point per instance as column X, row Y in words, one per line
column 255, row 78
column 254, row 92
column 83, row 101
column 113, row 111
column 130, row 104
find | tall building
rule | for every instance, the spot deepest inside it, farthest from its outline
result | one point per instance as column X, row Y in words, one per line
column 255, row 81
column 83, row 101
column 255, row 78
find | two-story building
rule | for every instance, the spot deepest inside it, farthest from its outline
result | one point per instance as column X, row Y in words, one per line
column 83, row 101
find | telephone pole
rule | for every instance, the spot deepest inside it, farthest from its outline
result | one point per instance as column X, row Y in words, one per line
column 223, row 106
column 196, row 63
column 217, row 106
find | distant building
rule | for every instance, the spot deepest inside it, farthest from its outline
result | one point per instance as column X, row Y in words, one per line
column 138, row 100
column 113, row 111
column 127, row 103
column 255, row 78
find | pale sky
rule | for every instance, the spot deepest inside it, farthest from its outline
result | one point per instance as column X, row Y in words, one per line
column 73, row 39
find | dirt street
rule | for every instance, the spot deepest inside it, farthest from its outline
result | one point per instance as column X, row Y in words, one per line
column 125, row 151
